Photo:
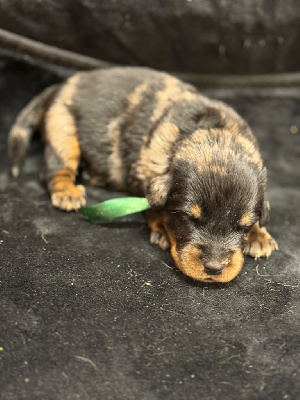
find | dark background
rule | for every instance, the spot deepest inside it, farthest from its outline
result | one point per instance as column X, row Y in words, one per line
column 212, row 36
column 91, row 311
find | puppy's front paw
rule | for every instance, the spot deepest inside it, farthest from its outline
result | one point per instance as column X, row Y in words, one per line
column 69, row 198
column 259, row 243
column 158, row 233
column 160, row 238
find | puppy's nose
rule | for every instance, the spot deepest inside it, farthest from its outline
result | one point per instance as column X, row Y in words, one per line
column 213, row 268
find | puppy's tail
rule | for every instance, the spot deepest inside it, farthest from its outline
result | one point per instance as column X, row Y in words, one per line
column 26, row 123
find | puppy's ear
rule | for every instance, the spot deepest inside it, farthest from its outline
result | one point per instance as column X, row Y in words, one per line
column 158, row 190
column 264, row 214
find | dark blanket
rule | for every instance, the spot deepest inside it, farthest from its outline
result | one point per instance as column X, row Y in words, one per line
column 93, row 311
column 249, row 36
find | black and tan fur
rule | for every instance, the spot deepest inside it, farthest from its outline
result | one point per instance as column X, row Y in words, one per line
column 149, row 134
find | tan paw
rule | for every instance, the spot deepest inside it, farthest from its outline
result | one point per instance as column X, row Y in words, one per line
column 158, row 233
column 160, row 238
column 70, row 198
column 260, row 243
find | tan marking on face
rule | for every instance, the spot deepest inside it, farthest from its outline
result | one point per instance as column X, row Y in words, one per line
column 233, row 269
column 189, row 262
column 246, row 218
column 60, row 127
column 196, row 210
column 154, row 159
column 171, row 93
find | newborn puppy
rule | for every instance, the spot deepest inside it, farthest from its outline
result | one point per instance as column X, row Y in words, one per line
column 149, row 134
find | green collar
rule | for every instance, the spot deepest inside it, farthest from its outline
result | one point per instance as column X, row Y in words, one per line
column 114, row 208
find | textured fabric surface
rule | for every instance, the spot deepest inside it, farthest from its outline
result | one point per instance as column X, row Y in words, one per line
column 90, row 311
column 249, row 36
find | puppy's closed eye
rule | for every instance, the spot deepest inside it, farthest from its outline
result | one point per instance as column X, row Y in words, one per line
column 244, row 229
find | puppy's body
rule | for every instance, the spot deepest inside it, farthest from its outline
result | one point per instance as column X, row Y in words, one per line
column 147, row 133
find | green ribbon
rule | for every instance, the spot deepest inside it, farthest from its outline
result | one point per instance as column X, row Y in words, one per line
column 114, row 208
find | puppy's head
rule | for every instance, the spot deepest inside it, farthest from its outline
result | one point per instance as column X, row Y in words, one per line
column 208, row 213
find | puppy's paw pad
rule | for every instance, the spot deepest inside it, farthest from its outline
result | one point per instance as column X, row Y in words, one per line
column 260, row 246
column 71, row 198
column 161, row 239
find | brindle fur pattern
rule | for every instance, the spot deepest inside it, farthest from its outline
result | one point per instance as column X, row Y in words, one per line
column 149, row 134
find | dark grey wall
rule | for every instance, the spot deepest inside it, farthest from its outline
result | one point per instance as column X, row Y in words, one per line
column 245, row 36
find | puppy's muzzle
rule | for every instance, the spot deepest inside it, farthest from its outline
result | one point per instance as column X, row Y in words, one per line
column 213, row 268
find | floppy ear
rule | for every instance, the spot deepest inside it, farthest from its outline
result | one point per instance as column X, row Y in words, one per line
column 158, row 190
column 264, row 214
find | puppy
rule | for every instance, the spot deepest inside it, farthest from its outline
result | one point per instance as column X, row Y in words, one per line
column 149, row 134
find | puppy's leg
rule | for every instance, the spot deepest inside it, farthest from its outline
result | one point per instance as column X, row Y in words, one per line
column 259, row 242
column 158, row 234
column 62, row 155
